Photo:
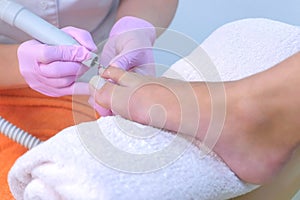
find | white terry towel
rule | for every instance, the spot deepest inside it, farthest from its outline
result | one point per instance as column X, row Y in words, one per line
column 63, row 168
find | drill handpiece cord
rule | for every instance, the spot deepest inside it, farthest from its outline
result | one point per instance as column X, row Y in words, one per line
column 18, row 135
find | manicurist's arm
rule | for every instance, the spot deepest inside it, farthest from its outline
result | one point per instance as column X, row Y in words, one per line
column 9, row 68
column 159, row 13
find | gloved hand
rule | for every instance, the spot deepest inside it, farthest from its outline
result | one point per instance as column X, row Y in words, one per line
column 53, row 70
column 129, row 47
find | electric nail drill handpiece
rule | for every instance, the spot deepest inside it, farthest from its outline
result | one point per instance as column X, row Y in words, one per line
column 18, row 16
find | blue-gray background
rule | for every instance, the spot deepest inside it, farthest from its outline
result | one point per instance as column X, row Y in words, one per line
column 198, row 18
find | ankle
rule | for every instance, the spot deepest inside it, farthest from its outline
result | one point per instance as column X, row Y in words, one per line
column 258, row 130
column 248, row 108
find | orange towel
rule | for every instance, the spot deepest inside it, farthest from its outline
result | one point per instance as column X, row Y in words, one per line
column 39, row 115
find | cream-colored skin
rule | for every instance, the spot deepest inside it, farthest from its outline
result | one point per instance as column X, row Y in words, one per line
column 159, row 13
column 9, row 68
column 261, row 128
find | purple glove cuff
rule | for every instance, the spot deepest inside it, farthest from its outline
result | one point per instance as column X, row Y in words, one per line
column 130, row 23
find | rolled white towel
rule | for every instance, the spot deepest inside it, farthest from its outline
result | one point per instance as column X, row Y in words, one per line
column 65, row 167
column 62, row 168
column 240, row 49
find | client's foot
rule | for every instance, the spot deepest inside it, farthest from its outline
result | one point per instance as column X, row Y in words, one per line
column 251, row 142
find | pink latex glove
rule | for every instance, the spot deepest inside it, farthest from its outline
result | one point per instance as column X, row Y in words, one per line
column 129, row 47
column 53, row 70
